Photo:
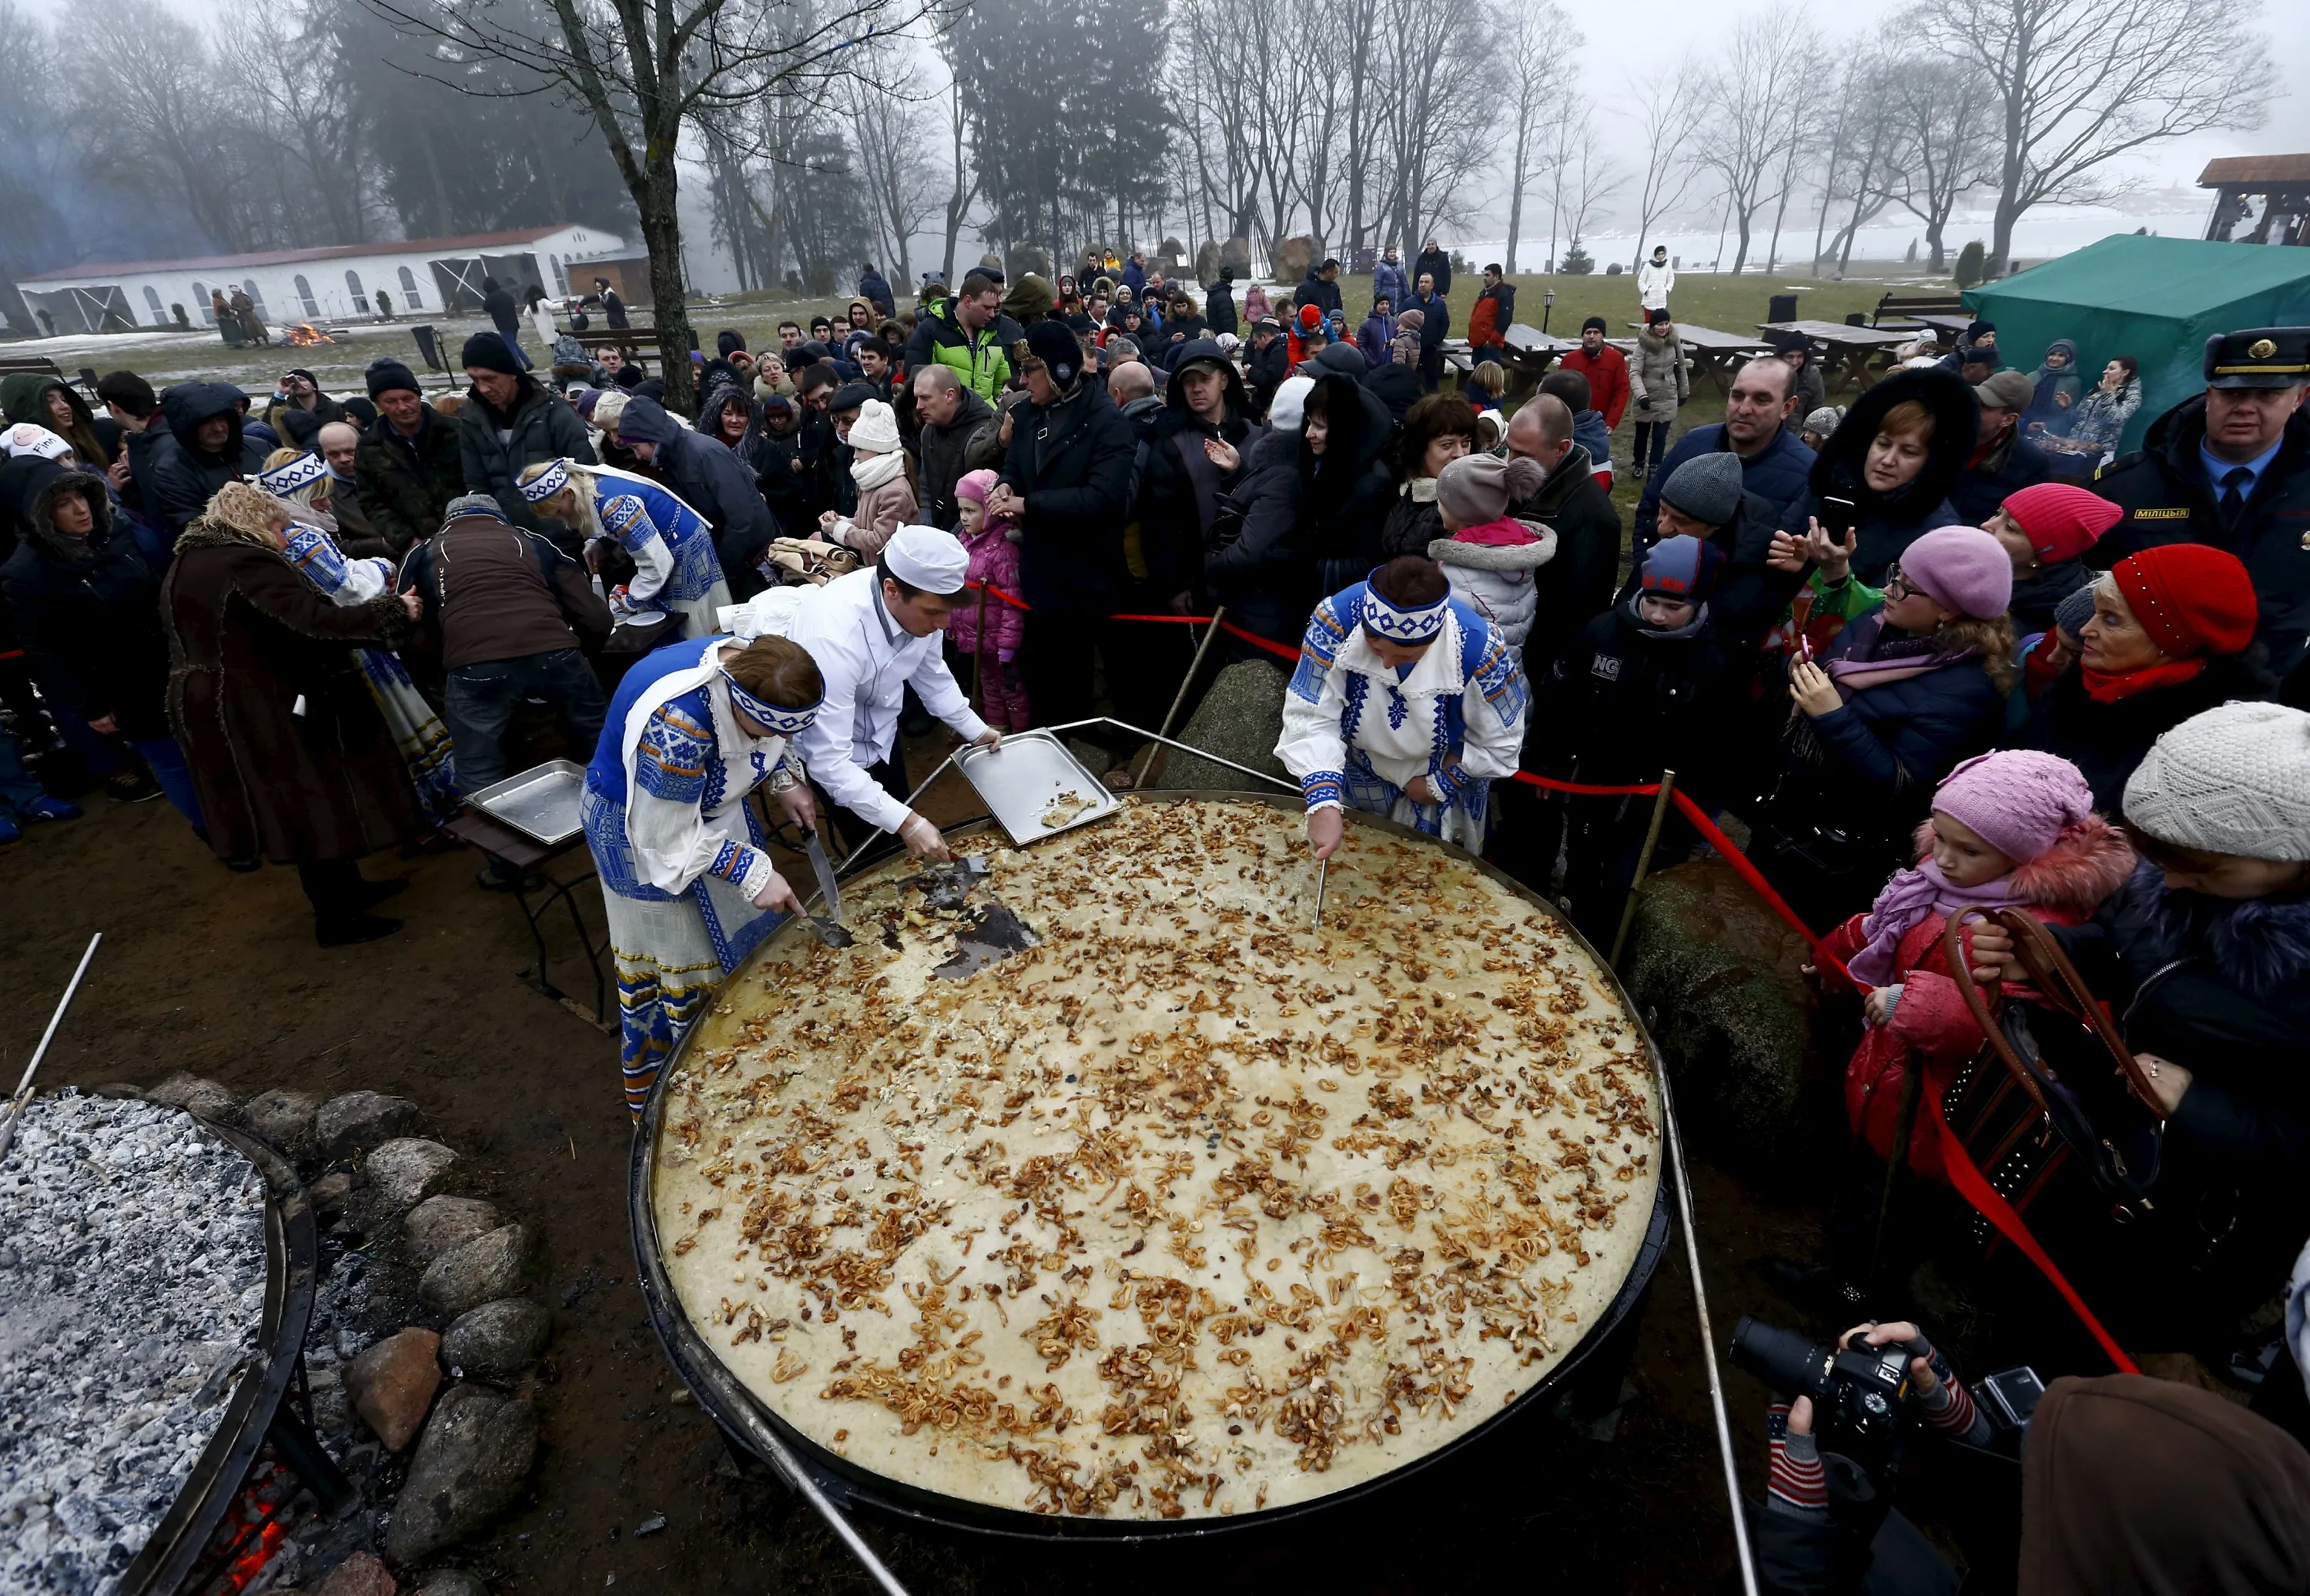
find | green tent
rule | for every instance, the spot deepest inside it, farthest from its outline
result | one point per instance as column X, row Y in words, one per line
column 2157, row 300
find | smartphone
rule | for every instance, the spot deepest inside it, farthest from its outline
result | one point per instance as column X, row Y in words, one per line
column 1838, row 515
column 2012, row 1395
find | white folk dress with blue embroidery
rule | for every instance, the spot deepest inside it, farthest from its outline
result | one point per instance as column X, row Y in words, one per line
column 676, row 569
column 679, row 849
column 1355, row 731
column 417, row 732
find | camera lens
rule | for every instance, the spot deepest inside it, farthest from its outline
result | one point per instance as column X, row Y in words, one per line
column 1783, row 1359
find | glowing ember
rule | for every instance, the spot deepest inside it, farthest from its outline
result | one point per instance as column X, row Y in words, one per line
column 305, row 333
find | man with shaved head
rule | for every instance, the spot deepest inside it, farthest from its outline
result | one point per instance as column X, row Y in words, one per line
column 960, row 433
column 337, row 443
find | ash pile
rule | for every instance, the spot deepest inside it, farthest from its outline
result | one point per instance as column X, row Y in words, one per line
column 132, row 1292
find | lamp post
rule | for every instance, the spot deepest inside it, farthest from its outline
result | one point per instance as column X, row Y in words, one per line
column 1546, row 304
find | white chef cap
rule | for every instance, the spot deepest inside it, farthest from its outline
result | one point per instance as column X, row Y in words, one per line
column 925, row 557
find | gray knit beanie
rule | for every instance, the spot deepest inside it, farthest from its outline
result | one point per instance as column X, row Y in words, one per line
column 2071, row 615
column 473, row 504
column 2234, row 780
column 1476, row 489
column 1707, row 486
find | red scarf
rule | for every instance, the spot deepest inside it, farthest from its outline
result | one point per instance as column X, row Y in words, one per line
column 2103, row 686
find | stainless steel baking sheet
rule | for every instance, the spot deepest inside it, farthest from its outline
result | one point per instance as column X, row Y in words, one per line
column 540, row 803
column 1024, row 777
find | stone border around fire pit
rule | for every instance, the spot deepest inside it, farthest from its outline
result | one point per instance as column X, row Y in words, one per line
column 425, row 1343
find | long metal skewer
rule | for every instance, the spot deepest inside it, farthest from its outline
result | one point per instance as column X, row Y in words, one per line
column 25, row 1086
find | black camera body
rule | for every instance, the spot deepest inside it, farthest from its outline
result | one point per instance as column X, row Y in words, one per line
column 1858, row 1392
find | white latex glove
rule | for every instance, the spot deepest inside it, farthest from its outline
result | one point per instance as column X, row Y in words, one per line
column 923, row 839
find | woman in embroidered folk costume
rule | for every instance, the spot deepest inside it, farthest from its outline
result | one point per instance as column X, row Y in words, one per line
column 308, row 533
column 689, row 890
column 676, row 570
column 1407, row 703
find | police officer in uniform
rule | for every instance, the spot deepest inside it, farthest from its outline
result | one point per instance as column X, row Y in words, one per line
column 2232, row 469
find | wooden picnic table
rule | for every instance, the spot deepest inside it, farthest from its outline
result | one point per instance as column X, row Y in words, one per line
column 1941, row 324
column 1713, row 353
column 1852, row 347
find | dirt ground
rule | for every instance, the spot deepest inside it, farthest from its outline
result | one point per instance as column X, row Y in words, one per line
column 216, row 973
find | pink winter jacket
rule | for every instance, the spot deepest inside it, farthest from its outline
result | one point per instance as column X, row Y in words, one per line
column 994, row 561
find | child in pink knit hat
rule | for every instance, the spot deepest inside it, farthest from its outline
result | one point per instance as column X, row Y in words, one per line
column 2012, row 830
column 993, row 548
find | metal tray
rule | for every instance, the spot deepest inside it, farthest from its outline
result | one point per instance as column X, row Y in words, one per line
column 540, row 803
column 1020, row 779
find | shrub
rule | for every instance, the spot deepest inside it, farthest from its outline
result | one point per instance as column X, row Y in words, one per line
column 1577, row 262
column 1614, row 269
column 1970, row 264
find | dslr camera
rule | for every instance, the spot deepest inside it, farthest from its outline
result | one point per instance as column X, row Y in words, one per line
column 1857, row 1390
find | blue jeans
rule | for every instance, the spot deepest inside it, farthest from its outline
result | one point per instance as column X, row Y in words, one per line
column 18, row 791
column 175, row 776
column 481, row 699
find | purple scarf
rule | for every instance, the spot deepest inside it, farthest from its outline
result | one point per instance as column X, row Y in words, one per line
column 1908, row 899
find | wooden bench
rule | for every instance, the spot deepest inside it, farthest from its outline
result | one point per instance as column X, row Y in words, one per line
column 631, row 339
column 1915, row 307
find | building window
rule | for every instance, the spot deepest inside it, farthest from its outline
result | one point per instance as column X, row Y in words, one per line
column 553, row 265
column 257, row 300
column 413, row 300
column 153, row 303
column 354, row 287
column 200, row 306
column 305, row 297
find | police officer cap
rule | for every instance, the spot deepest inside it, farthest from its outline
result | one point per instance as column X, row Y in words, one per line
column 2259, row 357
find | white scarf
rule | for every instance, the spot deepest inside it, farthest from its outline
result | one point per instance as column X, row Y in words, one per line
column 870, row 471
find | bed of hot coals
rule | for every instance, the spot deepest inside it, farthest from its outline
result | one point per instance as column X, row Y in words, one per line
column 132, row 1288
column 419, row 1359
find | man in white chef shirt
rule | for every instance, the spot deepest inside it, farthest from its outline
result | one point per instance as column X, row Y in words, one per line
column 873, row 633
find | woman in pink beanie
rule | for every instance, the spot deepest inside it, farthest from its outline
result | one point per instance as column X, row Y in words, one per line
column 2013, row 829
column 993, row 548
column 1903, row 693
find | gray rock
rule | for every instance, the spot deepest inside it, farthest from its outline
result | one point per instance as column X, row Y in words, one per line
column 358, row 1119
column 1239, row 719
column 496, row 1340
column 471, row 1465
column 1712, row 973
column 1090, row 756
column 403, row 1169
column 284, row 1118
column 452, row 1582
column 441, row 1225
column 196, row 1093
column 481, row 1271
column 330, row 1193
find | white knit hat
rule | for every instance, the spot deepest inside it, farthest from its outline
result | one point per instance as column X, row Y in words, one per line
column 876, row 429
column 1287, row 408
column 2234, row 780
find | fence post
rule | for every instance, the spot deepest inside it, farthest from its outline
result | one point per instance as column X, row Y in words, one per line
column 1156, row 750
column 1643, row 866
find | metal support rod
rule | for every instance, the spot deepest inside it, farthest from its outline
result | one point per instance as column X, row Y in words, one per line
column 1707, row 1338
column 1154, row 754
column 1643, row 866
column 25, row 1086
column 795, row 1475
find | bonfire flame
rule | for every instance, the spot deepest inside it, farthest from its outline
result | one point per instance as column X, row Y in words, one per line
column 305, row 333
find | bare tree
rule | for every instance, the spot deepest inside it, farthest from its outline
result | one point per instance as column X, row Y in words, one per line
column 895, row 130
column 965, row 187
column 1584, row 177
column 1536, row 53
column 2079, row 83
column 280, row 75
column 1943, row 122
column 1758, row 97
column 646, row 68
column 164, row 128
column 1663, row 110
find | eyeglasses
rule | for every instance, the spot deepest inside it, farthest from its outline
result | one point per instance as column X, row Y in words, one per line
column 1897, row 585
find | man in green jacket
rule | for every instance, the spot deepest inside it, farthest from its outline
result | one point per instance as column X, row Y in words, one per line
column 406, row 468
column 965, row 336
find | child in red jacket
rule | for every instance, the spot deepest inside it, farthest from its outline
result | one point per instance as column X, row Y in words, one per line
column 2012, row 830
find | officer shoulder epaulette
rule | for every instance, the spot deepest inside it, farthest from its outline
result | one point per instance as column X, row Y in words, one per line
column 2119, row 464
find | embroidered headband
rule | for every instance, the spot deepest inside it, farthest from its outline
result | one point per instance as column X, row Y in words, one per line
column 546, row 483
column 288, row 476
column 1406, row 626
column 781, row 721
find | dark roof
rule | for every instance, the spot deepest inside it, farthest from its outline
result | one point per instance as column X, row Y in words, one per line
column 285, row 257
column 2255, row 169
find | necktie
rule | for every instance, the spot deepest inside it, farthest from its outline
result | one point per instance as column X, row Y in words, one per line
column 2235, row 482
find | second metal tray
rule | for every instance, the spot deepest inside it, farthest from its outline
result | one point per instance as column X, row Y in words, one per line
column 1022, row 778
column 540, row 803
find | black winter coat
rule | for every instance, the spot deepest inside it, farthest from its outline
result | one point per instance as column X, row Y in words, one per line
column 1265, row 575
column 1266, row 370
column 1219, row 309
column 1437, row 263
column 2106, row 741
column 540, row 427
column 713, row 481
column 1751, row 595
column 1071, row 462
column 88, row 614
column 2038, row 595
column 1887, row 524
column 1576, row 586
column 2163, row 489
column 1778, row 473
column 2015, row 464
column 1314, row 291
column 183, row 476
column 1625, row 704
column 971, row 442
column 1179, row 488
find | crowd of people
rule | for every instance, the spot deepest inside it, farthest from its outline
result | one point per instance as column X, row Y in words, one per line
column 1939, row 651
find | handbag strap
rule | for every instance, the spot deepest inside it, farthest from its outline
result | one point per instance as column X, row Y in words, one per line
column 1976, row 1003
column 2056, row 980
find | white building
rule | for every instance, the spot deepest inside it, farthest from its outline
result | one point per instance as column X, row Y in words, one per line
column 424, row 276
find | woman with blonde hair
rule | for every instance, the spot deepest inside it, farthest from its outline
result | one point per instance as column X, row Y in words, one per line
column 290, row 757
column 676, row 569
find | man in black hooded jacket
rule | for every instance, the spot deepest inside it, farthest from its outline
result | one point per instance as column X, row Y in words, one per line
column 202, row 451
column 1192, row 461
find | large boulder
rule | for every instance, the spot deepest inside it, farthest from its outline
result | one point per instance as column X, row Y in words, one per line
column 470, row 1467
column 197, row 1095
column 360, row 1574
column 1714, row 975
column 403, row 1170
column 481, row 1271
column 496, row 1340
column 441, row 1225
column 1289, row 258
column 392, row 1384
column 358, row 1121
column 283, row 1118
column 1239, row 719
